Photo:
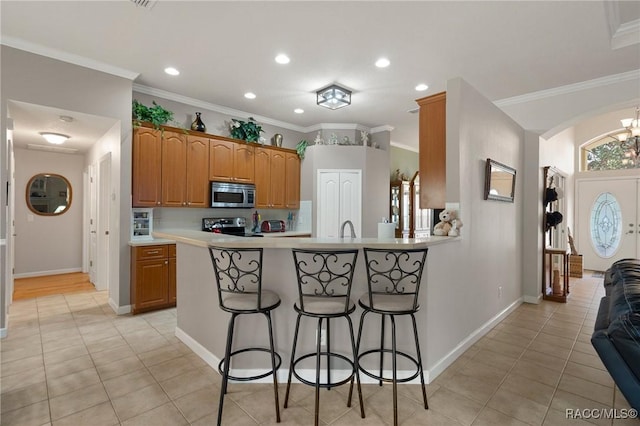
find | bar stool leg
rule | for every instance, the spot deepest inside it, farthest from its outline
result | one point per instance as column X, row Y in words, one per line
column 356, row 372
column 273, row 366
column 328, row 352
column 293, row 356
column 395, row 370
column 225, row 374
column 317, row 411
column 419, row 355
column 381, row 347
column 357, row 351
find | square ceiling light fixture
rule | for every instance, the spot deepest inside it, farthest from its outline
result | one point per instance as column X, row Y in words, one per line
column 334, row 97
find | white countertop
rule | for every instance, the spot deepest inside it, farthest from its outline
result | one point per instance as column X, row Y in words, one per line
column 204, row 239
column 150, row 242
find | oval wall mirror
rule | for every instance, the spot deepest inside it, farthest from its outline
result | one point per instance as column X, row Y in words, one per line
column 48, row 194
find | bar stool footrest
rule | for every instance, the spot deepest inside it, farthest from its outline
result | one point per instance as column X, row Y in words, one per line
column 385, row 379
column 249, row 378
column 325, row 385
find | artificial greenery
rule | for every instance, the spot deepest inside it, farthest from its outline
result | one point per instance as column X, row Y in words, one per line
column 245, row 130
column 301, row 147
column 155, row 115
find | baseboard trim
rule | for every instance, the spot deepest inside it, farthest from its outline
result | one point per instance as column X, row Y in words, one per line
column 283, row 373
column 533, row 299
column 119, row 310
column 3, row 333
column 449, row 358
column 44, row 273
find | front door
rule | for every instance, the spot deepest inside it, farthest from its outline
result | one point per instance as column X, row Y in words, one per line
column 607, row 220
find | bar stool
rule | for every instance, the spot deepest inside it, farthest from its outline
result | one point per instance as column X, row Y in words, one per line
column 324, row 287
column 393, row 284
column 239, row 279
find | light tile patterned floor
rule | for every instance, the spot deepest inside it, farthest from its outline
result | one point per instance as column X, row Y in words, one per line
column 68, row 360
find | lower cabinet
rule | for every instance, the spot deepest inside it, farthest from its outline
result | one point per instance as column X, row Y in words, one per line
column 153, row 277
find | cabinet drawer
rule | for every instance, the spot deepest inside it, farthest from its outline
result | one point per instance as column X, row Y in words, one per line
column 152, row 252
column 172, row 250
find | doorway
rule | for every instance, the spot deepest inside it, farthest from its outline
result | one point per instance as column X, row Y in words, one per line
column 608, row 228
column 339, row 198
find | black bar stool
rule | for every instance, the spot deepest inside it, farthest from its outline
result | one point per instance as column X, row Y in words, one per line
column 394, row 282
column 324, row 286
column 239, row 279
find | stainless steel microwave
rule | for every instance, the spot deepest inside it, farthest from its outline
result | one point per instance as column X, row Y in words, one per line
column 233, row 195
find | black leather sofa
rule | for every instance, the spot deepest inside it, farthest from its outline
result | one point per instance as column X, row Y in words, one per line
column 616, row 335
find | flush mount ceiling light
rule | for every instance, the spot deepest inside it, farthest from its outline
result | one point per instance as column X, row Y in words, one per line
column 282, row 59
column 334, row 97
column 54, row 138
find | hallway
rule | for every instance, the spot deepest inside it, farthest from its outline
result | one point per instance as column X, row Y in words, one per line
column 49, row 285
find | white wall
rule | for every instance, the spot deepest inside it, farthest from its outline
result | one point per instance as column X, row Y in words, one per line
column 464, row 276
column 48, row 244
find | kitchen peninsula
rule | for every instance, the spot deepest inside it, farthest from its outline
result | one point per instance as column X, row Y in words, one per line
column 202, row 325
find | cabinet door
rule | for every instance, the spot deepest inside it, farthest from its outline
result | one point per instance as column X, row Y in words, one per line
column 221, row 155
column 262, row 177
column 278, row 180
column 292, row 175
column 197, row 167
column 146, row 167
column 243, row 166
column 432, row 139
column 172, row 281
column 174, row 169
column 152, row 282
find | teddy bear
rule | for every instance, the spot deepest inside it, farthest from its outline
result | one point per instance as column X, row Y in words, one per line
column 449, row 224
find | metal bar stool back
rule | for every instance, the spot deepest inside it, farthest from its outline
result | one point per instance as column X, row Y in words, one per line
column 324, row 279
column 238, row 274
column 394, row 278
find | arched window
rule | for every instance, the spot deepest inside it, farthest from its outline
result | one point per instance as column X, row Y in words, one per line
column 607, row 153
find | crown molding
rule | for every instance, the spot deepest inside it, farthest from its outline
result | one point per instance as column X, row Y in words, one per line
column 164, row 94
column 48, row 52
column 569, row 88
column 627, row 34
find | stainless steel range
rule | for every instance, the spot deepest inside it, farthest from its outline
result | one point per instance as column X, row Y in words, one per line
column 227, row 225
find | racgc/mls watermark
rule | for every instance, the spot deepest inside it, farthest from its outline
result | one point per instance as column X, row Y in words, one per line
column 601, row 413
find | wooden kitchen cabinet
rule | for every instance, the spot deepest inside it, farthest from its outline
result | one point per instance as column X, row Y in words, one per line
column 161, row 160
column 153, row 277
column 231, row 161
column 432, row 139
column 146, row 167
column 292, row 176
column 185, row 170
column 270, row 178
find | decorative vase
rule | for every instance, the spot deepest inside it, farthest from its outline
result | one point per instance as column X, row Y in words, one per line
column 276, row 140
column 197, row 124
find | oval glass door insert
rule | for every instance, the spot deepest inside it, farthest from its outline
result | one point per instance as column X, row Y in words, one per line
column 606, row 225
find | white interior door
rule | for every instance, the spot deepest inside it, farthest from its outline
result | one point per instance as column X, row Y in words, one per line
column 93, row 222
column 104, row 207
column 607, row 221
column 339, row 198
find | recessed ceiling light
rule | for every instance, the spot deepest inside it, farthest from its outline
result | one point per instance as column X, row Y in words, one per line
column 54, row 138
column 66, row 118
column 282, row 59
column 421, row 87
column 250, row 95
column 171, row 71
column 298, row 110
column 382, row 63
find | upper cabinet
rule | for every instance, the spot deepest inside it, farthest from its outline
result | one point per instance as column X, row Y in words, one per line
column 231, row 161
column 146, row 167
column 432, row 137
column 173, row 168
column 160, row 163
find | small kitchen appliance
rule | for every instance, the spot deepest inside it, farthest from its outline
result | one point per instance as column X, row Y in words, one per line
column 273, row 226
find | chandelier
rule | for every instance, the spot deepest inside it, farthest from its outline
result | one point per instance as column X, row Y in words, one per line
column 630, row 138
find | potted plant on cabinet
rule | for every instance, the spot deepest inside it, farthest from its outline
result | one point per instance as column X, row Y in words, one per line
column 246, row 130
column 155, row 115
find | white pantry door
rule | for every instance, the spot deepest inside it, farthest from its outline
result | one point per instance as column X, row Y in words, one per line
column 607, row 216
column 339, row 198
